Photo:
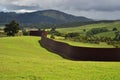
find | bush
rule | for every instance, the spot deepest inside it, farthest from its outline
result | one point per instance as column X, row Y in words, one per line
column 116, row 44
column 117, row 36
column 25, row 32
column 114, row 29
column 52, row 37
column 71, row 35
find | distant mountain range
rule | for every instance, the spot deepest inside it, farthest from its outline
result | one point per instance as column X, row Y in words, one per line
column 38, row 17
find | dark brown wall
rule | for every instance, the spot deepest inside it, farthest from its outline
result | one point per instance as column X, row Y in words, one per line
column 81, row 53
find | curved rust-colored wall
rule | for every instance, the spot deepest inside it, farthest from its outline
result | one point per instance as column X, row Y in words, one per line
column 81, row 53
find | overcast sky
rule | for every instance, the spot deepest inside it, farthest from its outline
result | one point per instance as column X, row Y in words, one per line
column 95, row 9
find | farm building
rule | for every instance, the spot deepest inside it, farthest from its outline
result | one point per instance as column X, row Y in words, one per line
column 38, row 33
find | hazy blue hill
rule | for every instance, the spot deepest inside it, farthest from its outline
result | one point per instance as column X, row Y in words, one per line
column 45, row 16
column 63, row 16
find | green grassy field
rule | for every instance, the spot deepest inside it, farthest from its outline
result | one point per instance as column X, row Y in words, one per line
column 22, row 58
column 106, row 34
column 88, row 27
column 110, row 26
column 80, row 29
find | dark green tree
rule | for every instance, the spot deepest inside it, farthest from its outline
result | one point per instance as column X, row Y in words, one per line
column 84, row 30
column 71, row 35
column 12, row 28
column 114, row 29
column 53, row 29
column 96, row 31
column 117, row 36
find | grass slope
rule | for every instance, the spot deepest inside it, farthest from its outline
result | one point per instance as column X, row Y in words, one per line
column 22, row 58
column 106, row 34
column 80, row 28
column 88, row 27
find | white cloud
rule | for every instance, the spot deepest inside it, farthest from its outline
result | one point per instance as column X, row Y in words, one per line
column 23, row 11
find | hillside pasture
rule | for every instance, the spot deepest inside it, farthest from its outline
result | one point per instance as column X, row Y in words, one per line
column 110, row 34
column 80, row 29
column 22, row 58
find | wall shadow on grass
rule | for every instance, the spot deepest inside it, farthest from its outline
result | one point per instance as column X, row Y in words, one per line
column 80, row 53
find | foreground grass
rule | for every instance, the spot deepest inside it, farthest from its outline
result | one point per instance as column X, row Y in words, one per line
column 22, row 58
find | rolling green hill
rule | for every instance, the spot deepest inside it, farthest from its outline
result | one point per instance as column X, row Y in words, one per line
column 80, row 29
column 106, row 34
column 110, row 26
column 22, row 58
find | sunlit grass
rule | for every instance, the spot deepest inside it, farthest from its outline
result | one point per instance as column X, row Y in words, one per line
column 88, row 27
column 22, row 58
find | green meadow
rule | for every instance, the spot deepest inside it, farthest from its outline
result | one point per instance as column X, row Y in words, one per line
column 88, row 27
column 80, row 30
column 22, row 58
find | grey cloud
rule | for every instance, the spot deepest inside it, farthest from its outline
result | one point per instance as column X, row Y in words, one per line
column 97, row 5
column 16, row 7
column 90, row 8
column 84, row 5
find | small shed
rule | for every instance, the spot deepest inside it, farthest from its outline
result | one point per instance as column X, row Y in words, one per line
column 38, row 33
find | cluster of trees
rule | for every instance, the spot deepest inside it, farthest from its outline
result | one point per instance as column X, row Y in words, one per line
column 96, row 31
column 72, row 35
column 12, row 28
column 93, row 39
column 87, row 39
column 53, row 32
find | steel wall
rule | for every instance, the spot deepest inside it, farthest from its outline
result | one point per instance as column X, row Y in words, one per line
column 81, row 53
